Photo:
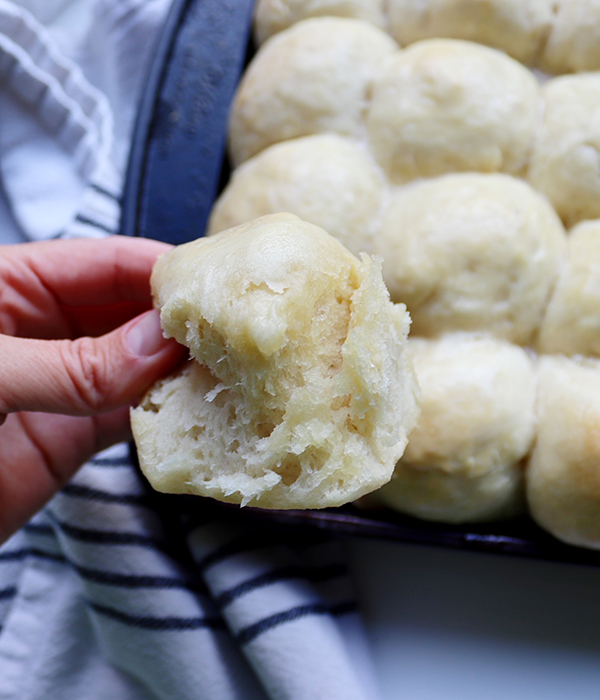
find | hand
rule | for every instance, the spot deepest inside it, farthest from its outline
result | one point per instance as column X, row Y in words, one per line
column 69, row 369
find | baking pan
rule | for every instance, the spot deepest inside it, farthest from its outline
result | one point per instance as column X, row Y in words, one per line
column 178, row 165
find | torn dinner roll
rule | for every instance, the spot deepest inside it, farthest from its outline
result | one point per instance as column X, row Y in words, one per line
column 311, row 78
column 299, row 393
column 472, row 252
column 463, row 462
column 563, row 476
column 326, row 179
column 444, row 105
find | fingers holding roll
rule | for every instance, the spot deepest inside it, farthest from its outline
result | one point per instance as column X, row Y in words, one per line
column 86, row 376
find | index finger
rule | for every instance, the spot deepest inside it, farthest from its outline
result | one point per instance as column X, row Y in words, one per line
column 84, row 272
column 42, row 285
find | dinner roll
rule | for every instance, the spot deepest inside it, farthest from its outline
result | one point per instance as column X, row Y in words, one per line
column 463, row 460
column 444, row 105
column 574, row 42
column 300, row 394
column 472, row 252
column 311, row 78
column 572, row 321
column 563, row 476
column 514, row 26
column 565, row 163
column 271, row 16
column 326, row 179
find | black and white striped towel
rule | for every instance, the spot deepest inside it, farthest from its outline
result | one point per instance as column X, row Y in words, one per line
column 110, row 592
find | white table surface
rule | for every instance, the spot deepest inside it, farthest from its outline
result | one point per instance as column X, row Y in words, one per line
column 453, row 625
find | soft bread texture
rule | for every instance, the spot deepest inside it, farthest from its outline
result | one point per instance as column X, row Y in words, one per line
column 443, row 106
column 556, row 36
column 563, row 477
column 571, row 325
column 271, row 16
column 300, row 394
column 574, row 42
column 455, row 128
column 518, row 27
column 327, row 180
column 311, row 78
column 472, row 252
column 565, row 164
column 463, row 460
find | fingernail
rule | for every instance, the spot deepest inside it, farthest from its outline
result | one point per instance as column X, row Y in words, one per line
column 145, row 337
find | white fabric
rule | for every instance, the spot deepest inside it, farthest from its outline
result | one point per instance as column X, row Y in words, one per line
column 111, row 591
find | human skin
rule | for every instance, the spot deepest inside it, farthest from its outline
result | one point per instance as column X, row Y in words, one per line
column 79, row 343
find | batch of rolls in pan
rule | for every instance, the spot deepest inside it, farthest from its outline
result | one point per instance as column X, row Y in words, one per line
column 459, row 142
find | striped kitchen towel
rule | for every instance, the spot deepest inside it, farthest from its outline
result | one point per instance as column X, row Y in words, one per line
column 115, row 591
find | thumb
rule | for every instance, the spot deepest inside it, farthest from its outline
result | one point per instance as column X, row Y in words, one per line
column 85, row 376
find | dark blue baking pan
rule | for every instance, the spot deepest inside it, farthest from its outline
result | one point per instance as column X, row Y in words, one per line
column 178, row 165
